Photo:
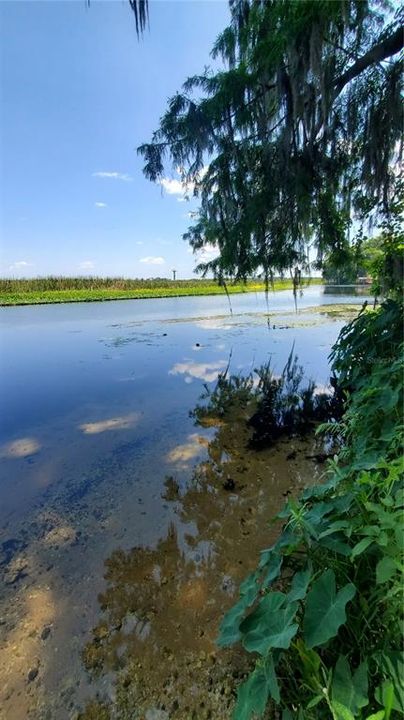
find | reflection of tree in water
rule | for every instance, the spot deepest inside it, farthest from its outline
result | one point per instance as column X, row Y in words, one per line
column 275, row 405
column 162, row 606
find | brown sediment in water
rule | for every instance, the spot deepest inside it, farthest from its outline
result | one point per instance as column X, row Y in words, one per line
column 162, row 606
column 168, row 580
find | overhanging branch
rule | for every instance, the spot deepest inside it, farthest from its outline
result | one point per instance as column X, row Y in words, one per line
column 384, row 49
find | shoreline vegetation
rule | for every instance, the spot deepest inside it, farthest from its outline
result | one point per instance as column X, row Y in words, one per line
column 41, row 291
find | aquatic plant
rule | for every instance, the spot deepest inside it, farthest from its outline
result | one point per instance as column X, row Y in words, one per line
column 65, row 289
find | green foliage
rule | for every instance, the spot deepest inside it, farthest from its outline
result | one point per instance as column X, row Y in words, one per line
column 380, row 257
column 254, row 693
column 324, row 608
column 387, row 265
column 350, row 690
column 83, row 289
column 295, row 134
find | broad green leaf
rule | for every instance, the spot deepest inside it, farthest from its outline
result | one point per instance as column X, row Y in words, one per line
column 229, row 632
column 399, row 535
column 336, row 527
column 249, row 588
column 343, row 503
column 315, row 701
column 287, row 538
column 311, row 663
column 399, row 497
column 318, row 512
column 385, row 518
column 385, row 569
column 371, row 530
column 252, row 695
column 274, row 570
column 376, row 716
column 336, row 544
column 269, row 603
column 299, row 585
column 383, row 539
column 272, row 679
column 341, row 712
column 385, row 696
column 392, row 665
column 361, row 546
column 320, row 490
column 270, row 625
column 265, row 557
column 325, row 609
column 350, row 690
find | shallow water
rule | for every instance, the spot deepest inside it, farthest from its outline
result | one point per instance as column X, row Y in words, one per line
column 96, row 400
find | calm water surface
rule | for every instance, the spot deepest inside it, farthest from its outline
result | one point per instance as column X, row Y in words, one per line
column 95, row 415
column 80, row 379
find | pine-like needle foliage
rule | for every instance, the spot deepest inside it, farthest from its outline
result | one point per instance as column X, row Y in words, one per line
column 140, row 9
column 299, row 131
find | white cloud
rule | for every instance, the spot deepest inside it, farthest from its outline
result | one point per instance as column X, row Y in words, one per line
column 174, row 186
column 207, row 253
column 86, row 265
column 113, row 174
column 100, row 204
column 151, row 260
column 19, row 265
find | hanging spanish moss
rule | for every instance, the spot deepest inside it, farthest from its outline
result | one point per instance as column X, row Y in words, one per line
column 294, row 138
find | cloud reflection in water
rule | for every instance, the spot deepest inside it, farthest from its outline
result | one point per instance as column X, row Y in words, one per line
column 208, row 372
column 124, row 422
column 24, row 447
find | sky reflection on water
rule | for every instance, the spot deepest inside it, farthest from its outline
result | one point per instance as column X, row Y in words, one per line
column 96, row 401
column 111, row 372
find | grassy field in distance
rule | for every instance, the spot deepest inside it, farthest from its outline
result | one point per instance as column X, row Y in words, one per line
column 36, row 291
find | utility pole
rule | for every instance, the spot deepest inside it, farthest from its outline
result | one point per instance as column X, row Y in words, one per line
column 174, row 272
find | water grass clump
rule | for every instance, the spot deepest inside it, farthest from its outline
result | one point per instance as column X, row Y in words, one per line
column 55, row 289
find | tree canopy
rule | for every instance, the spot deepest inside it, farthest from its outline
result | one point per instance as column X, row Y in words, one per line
column 297, row 133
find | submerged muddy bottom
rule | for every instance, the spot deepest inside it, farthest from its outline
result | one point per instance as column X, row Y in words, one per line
column 125, row 529
column 151, row 653
column 162, row 607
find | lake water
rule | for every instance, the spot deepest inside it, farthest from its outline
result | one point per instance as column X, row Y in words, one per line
column 96, row 402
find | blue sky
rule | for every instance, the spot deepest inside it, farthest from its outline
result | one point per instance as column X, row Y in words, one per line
column 79, row 93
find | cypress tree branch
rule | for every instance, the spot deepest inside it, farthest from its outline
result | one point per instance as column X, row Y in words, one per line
column 382, row 50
